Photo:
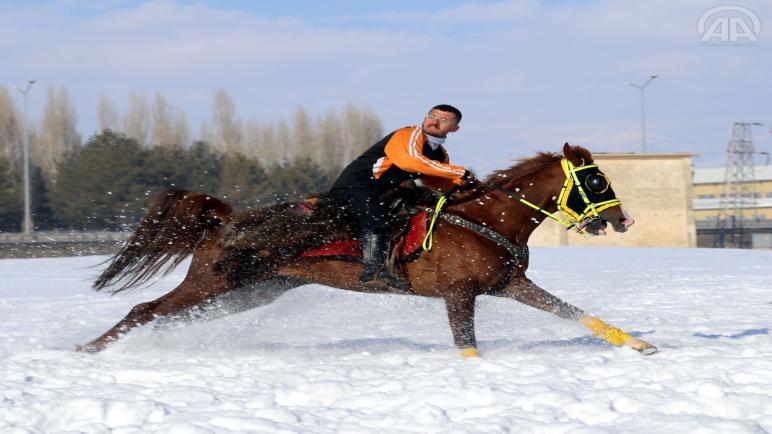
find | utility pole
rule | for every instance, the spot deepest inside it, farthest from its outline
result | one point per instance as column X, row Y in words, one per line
column 27, row 226
column 642, row 88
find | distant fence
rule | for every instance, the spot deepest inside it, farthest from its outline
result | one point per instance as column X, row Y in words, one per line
column 60, row 243
column 755, row 234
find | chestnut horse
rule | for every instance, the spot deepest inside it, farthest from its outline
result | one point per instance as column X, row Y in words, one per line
column 462, row 263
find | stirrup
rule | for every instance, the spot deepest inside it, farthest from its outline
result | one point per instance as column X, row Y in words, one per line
column 382, row 281
column 392, row 281
column 374, row 285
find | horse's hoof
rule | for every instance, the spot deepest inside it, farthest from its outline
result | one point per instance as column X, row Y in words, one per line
column 88, row 348
column 374, row 286
column 642, row 346
column 469, row 352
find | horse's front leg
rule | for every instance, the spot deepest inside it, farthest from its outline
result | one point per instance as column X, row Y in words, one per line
column 460, row 308
column 525, row 291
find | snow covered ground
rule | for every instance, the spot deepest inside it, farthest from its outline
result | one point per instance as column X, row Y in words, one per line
column 321, row 360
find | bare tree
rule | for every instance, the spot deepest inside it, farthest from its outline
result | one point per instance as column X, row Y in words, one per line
column 170, row 127
column 372, row 128
column 303, row 138
column 227, row 127
column 259, row 142
column 269, row 144
column 205, row 133
column 283, row 142
column 107, row 114
column 330, row 139
column 180, row 130
column 361, row 127
column 136, row 123
column 58, row 133
column 10, row 129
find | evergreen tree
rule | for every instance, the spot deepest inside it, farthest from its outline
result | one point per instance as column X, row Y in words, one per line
column 299, row 179
column 11, row 205
column 204, row 167
column 244, row 182
column 97, row 184
column 43, row 217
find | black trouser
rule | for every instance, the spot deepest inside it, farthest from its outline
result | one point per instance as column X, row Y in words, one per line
column 365, row 203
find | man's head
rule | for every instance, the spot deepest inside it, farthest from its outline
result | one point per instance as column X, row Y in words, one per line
column 441, row 120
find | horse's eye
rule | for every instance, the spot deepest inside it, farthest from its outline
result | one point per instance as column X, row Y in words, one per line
column 596, row 183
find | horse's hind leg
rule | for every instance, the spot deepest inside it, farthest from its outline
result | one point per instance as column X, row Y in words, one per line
column 139, row 315
column 190, row 301
column 525, row 291
column 182, row 298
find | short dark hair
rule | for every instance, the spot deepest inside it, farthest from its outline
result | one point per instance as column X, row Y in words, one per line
column 450, row 109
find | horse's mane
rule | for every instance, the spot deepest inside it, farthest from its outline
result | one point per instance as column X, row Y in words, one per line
column 523, row 168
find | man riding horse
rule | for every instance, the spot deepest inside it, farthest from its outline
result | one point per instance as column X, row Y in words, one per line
column 402, row 155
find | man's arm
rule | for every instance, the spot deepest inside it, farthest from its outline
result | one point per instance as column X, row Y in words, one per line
column 405, row 151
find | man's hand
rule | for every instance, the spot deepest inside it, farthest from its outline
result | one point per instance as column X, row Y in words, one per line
column 468, row 181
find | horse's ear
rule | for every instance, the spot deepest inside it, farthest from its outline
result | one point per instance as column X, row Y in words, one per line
column 568, row 152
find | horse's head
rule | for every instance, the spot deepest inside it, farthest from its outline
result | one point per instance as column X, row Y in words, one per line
column 587, row 196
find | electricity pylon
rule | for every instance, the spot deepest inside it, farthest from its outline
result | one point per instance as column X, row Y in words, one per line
column 738, row 199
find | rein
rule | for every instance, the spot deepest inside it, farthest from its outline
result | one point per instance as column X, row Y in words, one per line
column 510, row 194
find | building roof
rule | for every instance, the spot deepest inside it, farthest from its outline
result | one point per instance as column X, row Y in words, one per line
column 715, row 175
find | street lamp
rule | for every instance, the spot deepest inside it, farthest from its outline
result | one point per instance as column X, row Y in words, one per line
column 642, row 87
column 27, row 224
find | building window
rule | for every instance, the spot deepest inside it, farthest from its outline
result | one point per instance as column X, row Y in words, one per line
column 732, row 195
column 706, row 196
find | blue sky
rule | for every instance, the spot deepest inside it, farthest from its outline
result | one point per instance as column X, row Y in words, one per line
column 528, row 75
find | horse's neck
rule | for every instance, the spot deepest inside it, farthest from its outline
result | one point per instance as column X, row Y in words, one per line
column 508, row 216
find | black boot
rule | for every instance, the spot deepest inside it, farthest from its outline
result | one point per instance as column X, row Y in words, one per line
column 376, row 276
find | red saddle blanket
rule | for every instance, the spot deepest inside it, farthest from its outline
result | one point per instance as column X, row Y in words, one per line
column 409, row 244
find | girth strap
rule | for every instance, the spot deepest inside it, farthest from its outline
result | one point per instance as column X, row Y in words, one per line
column 518, row 253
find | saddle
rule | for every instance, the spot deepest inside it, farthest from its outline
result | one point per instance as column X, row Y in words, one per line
column 406, row 243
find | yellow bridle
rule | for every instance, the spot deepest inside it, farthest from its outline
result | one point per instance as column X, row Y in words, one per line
column 572, row 180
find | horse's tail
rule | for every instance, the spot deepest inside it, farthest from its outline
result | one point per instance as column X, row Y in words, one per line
column 170, row 231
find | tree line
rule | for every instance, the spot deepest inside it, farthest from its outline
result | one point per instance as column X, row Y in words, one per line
column 106, row 182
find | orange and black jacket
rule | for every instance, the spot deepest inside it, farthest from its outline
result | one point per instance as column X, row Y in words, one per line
column 403, row 154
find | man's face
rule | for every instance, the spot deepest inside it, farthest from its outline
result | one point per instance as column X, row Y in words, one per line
column 439, row 123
